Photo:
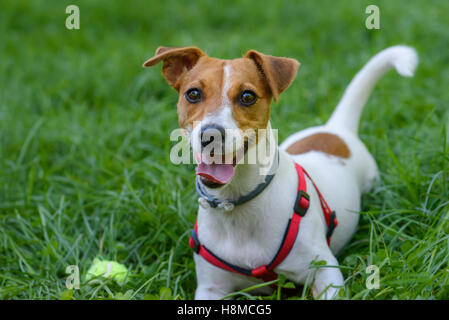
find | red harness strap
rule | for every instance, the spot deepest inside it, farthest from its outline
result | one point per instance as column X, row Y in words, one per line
column 266, row 272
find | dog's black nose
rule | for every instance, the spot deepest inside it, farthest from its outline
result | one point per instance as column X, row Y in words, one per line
column 209, row 132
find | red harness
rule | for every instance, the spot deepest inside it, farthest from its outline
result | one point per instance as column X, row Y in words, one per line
column 266, row 272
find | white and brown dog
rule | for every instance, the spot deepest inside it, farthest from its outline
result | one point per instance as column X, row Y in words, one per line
column 221, row 95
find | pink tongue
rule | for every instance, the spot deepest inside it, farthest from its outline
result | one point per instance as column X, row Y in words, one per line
column 219, row 173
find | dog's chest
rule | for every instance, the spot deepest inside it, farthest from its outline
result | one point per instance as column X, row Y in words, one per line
column 250, row 235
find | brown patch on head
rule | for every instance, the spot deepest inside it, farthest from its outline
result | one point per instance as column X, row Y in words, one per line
column 210, row 77
column 324, row 142
column 244, row 75
column 267, row 77
column 187, row 68
column 207, row 76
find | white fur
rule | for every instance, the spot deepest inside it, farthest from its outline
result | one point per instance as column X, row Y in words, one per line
column 250, row 235
column 226, row 85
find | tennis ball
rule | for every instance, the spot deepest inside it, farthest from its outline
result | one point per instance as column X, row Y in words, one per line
column 107, row 269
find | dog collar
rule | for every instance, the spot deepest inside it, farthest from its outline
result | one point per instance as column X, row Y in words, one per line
column 229, row 205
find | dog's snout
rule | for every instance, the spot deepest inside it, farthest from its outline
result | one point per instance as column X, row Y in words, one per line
column 209, row 132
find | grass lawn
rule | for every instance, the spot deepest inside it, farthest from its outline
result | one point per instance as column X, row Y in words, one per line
column 84, row 139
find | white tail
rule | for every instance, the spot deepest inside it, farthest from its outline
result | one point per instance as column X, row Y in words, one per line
column 347, row 114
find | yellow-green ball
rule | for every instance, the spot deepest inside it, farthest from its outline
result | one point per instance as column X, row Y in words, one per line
column 107, row 269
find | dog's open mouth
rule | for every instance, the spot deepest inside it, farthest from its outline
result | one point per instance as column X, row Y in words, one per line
column 215, row 175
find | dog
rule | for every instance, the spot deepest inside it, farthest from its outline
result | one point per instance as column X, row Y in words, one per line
column 234, row 96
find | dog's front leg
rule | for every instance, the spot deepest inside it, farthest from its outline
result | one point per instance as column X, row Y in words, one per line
column 328, row 281
column 213, row 283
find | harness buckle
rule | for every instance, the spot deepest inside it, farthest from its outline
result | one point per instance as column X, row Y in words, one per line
column 301, row 203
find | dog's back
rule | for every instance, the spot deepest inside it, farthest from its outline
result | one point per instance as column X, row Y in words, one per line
column 350, row 168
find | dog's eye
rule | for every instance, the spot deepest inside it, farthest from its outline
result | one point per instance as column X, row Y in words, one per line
column 193, row 95
column 248, row 98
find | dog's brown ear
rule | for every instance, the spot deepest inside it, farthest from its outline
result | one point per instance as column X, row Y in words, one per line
column 278, row 71
column 176, row 61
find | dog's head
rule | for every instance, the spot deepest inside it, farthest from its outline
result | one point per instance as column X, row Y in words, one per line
column 223, row 103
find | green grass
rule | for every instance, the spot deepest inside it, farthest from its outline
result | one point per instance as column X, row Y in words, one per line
column 84, row 139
